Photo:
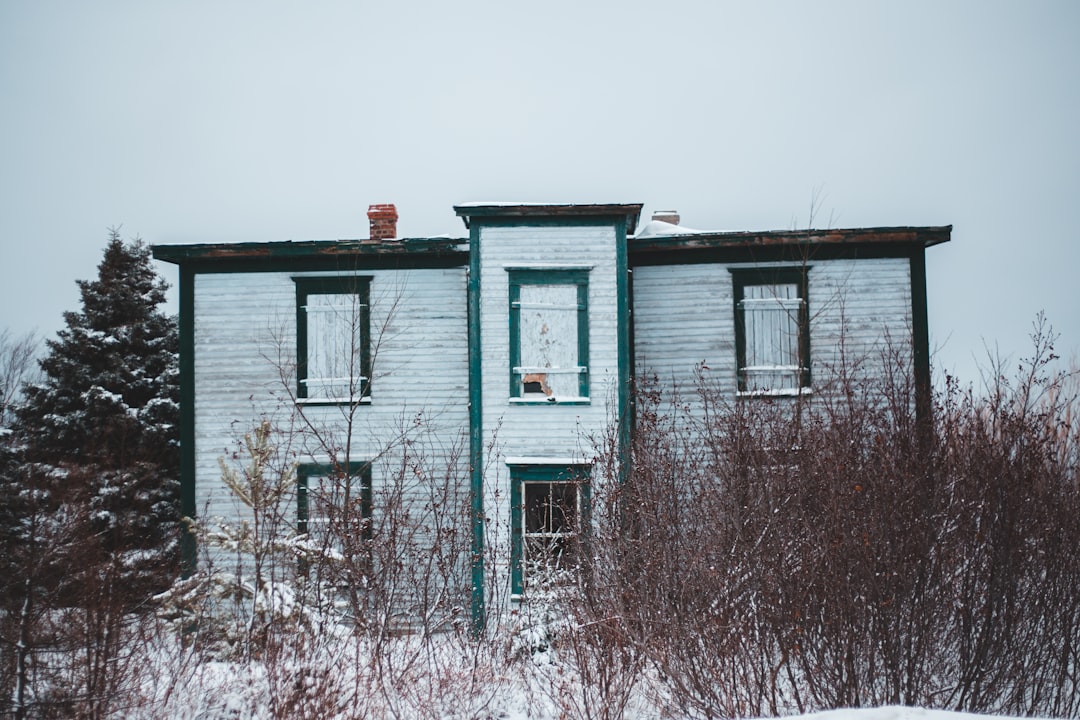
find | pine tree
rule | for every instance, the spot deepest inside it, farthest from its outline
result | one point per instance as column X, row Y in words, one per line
column 103, row 424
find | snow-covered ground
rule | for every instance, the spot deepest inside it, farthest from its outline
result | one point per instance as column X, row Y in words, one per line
column 891, row 712
column 445, row 685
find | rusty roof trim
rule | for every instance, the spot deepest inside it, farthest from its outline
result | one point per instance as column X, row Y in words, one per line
column 310, row 248
column 925, row 236
column 469, row 212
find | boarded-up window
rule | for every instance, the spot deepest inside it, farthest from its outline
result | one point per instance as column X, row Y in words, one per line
column 771, row 325
column 549, row 335
column 333, row 346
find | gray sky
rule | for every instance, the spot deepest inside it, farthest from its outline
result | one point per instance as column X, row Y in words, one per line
column 230, row 121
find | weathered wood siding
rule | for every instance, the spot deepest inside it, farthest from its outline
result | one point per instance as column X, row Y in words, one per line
column 551, row 430
column 245, row 355
column 684, row 320
column 541, row 433
column 860, row 311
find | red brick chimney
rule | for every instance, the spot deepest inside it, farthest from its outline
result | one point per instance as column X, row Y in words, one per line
column 383, row 219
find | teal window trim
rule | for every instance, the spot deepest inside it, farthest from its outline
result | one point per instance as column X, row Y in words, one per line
column 355, row 474
column 577, row 475
column 743, row 278
column 519, row 278
column 353, row 285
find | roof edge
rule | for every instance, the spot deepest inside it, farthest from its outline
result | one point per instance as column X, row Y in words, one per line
column 314, row 248
column 470, row 212
column 927, row 236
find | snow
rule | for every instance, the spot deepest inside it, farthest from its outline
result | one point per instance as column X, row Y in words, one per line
column 455, row 689
column 892, row 712
column 659, row 228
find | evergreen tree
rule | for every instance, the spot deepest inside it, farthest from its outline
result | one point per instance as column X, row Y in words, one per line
column 103, row 424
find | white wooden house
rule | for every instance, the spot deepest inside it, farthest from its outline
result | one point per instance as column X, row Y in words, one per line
column 521, row 340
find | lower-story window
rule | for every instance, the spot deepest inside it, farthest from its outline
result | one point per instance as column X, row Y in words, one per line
column 333, row 505
column 550, row 509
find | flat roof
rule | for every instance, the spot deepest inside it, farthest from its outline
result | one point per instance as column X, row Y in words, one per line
column 456, row 250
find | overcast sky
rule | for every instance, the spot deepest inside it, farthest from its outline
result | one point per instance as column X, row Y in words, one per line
column 229, row 121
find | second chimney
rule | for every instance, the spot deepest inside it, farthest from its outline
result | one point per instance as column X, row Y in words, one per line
column 383, row 219
column 668, row 216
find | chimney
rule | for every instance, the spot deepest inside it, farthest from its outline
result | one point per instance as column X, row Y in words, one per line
column 668, row 216
column 383, row 219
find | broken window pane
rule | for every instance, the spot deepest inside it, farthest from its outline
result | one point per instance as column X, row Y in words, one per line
column 549, row 516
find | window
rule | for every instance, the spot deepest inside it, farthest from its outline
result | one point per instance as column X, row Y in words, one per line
column 333, row 358
column 772, row 339
column 549, row 506
column 333, row 504
column 549, row 335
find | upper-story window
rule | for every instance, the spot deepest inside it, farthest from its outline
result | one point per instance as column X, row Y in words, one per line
column 549, row 335
column 333, row 343
column 772, row 335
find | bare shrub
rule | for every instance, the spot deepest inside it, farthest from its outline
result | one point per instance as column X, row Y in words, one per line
column 772, row 555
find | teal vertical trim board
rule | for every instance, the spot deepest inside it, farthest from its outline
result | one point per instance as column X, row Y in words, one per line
column 920, row 338
column 514, row 314
column 476, row 434
column 187, row 415
column 301, row 341
column 624, row 410
column 517, row 532
column 807, row 375
column 583, row 335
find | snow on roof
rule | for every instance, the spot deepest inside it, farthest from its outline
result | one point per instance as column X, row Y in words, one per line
column 659, row 228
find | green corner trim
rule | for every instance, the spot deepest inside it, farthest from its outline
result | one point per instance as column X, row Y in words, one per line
column 920, row 339
column 625, row 330
column 188, row 551
column 476, row 436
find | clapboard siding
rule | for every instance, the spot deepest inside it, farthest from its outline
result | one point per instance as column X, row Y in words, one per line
column 860, row 309
column 684, row 321
column 245, row 354
column 547, row 430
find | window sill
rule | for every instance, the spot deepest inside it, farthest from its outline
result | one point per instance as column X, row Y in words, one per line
column 316, row 402
column 777, row 393
column 550, row 401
